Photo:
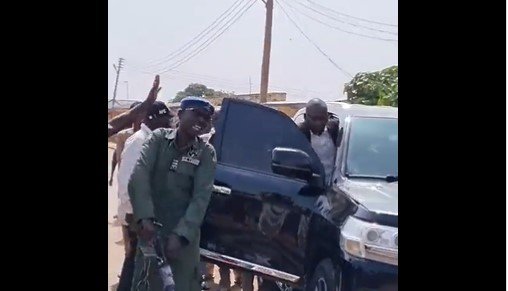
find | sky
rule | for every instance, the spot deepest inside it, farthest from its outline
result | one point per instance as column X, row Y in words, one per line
column 150, row 34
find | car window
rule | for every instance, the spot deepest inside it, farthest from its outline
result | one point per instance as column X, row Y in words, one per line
column 373, row 147
column 250, row 132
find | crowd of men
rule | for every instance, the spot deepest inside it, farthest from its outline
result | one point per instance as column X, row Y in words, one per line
column 165, row 179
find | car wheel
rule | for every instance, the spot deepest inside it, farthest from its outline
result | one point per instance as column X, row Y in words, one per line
column 325, row 278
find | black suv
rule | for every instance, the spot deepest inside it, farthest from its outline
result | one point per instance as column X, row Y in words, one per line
column 272, row 214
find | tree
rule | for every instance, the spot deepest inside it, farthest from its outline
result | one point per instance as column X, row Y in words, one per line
column 179, row 96
column 200, row 90
column 375, row 88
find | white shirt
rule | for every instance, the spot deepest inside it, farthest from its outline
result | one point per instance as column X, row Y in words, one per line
column 325, row 149
column 130, row 155
column 206, row 137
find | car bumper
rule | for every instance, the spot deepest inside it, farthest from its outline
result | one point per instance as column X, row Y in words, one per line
column 365, row 275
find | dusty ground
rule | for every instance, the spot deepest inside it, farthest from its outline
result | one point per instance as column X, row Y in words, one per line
column 115, row 246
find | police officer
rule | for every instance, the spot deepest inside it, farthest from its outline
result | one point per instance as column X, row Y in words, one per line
column 172, row 183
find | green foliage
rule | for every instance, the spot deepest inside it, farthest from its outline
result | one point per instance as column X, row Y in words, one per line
column 200, row 90
column 375, row 88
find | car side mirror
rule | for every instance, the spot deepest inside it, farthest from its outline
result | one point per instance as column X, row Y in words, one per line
column 292, row 163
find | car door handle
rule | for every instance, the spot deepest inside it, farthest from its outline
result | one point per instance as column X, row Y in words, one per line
column 221, row 190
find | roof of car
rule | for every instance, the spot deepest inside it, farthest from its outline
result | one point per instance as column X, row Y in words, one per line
column 343, row 110
column 363, row 110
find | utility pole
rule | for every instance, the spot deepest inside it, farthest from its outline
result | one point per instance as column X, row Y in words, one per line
column 117, row 69
column 265, row 67
column 250, row 86
column 127, row 87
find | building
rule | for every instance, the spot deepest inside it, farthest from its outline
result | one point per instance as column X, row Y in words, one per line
column 271, row 97
column 287, row 107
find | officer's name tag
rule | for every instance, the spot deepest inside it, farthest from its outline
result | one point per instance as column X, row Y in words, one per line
column 174, row 165
column 193, row 161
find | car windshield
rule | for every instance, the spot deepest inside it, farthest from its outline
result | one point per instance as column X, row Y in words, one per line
column 373, row 148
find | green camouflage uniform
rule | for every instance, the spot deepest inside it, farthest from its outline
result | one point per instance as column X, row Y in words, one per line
column 174, row 188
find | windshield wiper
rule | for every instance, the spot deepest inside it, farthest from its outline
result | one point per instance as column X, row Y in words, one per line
column 389, row 178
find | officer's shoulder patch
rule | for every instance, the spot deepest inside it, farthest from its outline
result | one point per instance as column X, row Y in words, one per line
column 211, row 150
column 159, row 132
column 208, row 148
column 155, row 135
column 167, row 133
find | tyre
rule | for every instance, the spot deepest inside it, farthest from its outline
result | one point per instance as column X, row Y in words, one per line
column 325, row 277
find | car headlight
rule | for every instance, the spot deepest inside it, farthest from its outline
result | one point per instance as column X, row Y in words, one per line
column 370, row 241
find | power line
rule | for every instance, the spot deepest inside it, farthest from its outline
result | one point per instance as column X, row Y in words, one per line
column 340, row 29
column 198, row 37
column 237, row 84
column 345, row 22
column 350, row 16
column 200, row 48
column 196, row 77
column 201, row 78
column 204, row 45
column 211, row 82
column 313, row 43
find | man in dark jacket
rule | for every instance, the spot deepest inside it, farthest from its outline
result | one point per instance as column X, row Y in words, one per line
column 322, row 132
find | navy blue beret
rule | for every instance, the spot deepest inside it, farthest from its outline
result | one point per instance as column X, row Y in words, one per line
column 195, row 103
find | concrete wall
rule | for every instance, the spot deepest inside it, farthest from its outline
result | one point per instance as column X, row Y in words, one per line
column 271, row 97
column 288, row 109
